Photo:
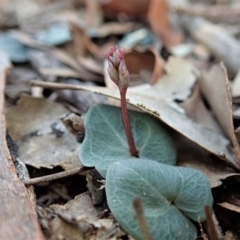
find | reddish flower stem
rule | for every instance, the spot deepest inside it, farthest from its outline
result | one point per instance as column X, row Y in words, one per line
column 126, row 123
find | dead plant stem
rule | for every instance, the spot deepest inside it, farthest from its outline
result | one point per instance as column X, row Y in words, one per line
column 54, row 176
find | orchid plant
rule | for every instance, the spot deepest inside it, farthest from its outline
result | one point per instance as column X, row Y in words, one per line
column 137, row 156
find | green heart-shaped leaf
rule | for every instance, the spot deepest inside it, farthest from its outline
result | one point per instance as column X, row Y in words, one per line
column 105, row 141
column 169, row 194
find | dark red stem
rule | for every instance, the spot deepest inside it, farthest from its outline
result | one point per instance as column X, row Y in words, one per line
column 126, row 123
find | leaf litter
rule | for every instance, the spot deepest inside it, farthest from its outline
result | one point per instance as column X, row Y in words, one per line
column 191, row 95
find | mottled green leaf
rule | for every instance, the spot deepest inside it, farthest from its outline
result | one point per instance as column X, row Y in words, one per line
column 170, row 196
column 105, row 140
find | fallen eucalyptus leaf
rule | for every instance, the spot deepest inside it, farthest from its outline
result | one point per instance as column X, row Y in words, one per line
column 42, row 138
column 172, row 85
column 170, row 195
column 140, row 36
column 143, row 100
column 55, row 34
column 195, row 109
column 16, row 51
column 105, row 141
column 216, row 89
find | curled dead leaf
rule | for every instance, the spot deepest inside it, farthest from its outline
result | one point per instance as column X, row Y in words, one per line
column 216, row 89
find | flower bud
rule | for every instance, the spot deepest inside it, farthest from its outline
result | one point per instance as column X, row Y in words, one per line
column 123, row 76
column 113, row 73
column 117, row 68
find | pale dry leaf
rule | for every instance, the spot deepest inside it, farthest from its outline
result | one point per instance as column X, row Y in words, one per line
column 59, row 54
column 82, row 205
column 42, row 138
column 81, row 212
column 91, row 64
column 193, row 156
column 235, row 87
column 83, row 43
column 216, row 89
column 56, row 227
column 179, row 79
column 175, row 84
column 230, row 206
column 196, row 110
column 145, row 101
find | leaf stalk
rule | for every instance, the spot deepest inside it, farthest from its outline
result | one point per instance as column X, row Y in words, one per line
column 127, row 125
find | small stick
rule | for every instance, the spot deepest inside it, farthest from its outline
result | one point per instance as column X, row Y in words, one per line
column 54, row 176
column 137, row 204
column 51, row 85
column 212, row 231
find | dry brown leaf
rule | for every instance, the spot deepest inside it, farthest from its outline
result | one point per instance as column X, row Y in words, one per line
column 83, row 43
column 82, row 205
column 56, row 228
column 144, row 59
column 42, row 138
column 133, row 8
column 80, row 212
column 92, row 65
column 196, row 110
column 216, row 89
column 158, row 15
column 191, row 155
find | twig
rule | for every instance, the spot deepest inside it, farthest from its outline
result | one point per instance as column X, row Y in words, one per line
column 55, row 176
column 137, row 204
column 212, row 231
column 58, row 85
